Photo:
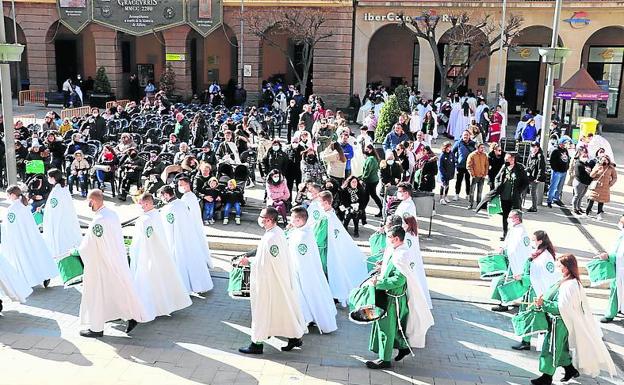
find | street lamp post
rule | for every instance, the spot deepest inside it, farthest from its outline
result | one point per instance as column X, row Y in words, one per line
column 549, row 89
column 240, row 46
column 499, row 70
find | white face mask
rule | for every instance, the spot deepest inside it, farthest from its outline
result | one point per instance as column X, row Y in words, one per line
column 260, row 223
column 51, row 181
column 181, row 190
column 275, row 148
column 276, row 179
column 390, row 162
column 309, row 196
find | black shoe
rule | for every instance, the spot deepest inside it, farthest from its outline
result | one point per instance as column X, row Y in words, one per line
column 570, row 373
column 131, row 325
column 523, row 345
column 46, row 283
column 502, row 238
column 559, row 203
column 91, row 334
column 606, row 320
column 469, row 207
column 122, row 197
column 549, row 205
column 293, row 343
column 1, row 306
column 402, row 354
column 500, row 308
column 545, row 379
column 252, row 349
column 356, row 235
column 532, row 210
column 577, row 212
column 379, row 215
column 378, row 364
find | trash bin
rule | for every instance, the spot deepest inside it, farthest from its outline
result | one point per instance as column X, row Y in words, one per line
column 587, row 126
column 424, row 203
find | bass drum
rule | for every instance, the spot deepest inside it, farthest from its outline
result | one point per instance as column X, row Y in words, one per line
column 367, row 304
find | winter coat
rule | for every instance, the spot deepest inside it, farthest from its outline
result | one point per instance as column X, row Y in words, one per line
column 477, row 164
column 335, row 167
column 347, row 199
column 536, row 167
column 370, row 171
column 511, row 184
column 461, row 150
column 582, row 172
column 496, row 163
column 277, row 192
column 427, row 175
column 446, row 166
column 606, row 176
column 389, row 174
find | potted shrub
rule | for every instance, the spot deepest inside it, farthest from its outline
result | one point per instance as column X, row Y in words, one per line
column 167, row 83
column 101, row 89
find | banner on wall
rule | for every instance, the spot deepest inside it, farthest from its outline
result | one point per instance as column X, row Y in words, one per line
column 74, row 14
column 139, row 17
column 205, row 16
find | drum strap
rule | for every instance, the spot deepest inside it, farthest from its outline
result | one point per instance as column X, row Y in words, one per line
column 398, row 315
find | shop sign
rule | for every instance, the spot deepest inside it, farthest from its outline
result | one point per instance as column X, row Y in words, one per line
column 521, row 53
column 175, row 57
column 578, row 20
column 396, row 17
column 139, row 17
column 606, row 54
column 205, row 16
column 74, row 14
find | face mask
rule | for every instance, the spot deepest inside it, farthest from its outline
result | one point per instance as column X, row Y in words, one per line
column 260, row 223
column 390, row 162
column 133, row 155
column 275, row 148
column 181, row 190
column 90, row 205
column 507, row 164
column 96, row 115
column 310, row 158
column 276, row 179
column 310, row 197
column 51, row 181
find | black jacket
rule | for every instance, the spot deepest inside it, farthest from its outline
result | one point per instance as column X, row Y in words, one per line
column 536, row 167
column 276, row 160
column 427, row 176
column 559, row 160
column 581, row 174
column 388, row 174
column 346, row 199
column 511, row 184
column 496, row 163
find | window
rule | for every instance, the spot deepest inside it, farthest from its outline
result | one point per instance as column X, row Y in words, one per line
column 126, row 62
column 605, row 67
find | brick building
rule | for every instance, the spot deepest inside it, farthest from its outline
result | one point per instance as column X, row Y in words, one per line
column 54, row 52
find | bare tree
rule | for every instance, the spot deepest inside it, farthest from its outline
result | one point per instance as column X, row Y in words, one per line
column 478, row 32
column 304, row 26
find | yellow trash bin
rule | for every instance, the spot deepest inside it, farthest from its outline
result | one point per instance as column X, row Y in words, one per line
column 588, row 126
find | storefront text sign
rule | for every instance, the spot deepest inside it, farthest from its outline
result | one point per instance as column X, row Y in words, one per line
column 175, row 57
column 396, row 17
column 205, row 15
column 74, row 14
column 139, row 17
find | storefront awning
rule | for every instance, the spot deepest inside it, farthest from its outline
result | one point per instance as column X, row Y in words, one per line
column 581, row 86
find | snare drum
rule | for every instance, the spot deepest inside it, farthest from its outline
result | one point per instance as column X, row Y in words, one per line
column 71, row 269
column 600, row 271
column 511, row 290
column 366, row 304
column 239, row 284
column 493, row 265
column 529, row 322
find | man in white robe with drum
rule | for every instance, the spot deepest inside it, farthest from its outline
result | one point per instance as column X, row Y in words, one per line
column 153, row 270
column 108, row 291
column 275, row 307
column 22, row 243
column 407, row 205
column 191, row 201
column 315, row 295
column 517, row 247
column 185, row 243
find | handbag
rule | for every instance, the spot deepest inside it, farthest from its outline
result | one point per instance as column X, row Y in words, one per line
column 594, row 183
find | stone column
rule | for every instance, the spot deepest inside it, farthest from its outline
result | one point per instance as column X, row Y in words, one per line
column 426, row 69
column 108, row 55
column 176, row 42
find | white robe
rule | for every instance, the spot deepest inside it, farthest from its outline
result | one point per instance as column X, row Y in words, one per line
column 406, row 207
column 315, row 295
column 619, row 270
column 543, row 273
column 12, row 284
column 61, row 229
column 518, row 247
column 357, row 162
column 191, row 201
column 315, row 212
column 184, row 244
column 419, row 318
column 275, row 307
column 588, row 351
column 346, row 264
column 24, row 247
column 155, row 274
column 108, row 290
column 413, row 246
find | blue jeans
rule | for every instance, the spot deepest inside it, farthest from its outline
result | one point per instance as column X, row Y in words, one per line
column 228, row 209
column 556, row 186
column 208, row 210
column 100, row 176
column 82, row 182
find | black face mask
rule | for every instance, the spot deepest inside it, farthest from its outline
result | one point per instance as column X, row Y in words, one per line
column 310, row 159
column 507, row 164
column 133, row 155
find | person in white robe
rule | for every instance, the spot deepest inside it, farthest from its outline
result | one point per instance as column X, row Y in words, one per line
column 415, row 256
column 315, row 210
column 407, row 205
column 61, row 229
column 108, row 291
column 184, row 243
column 358, row 143
column 504, row 106
column 345, row 263
column 517, row 247
column 12, row 284
column 275, row 307
column 197, row 224
column 153, row 270
column 315, row 296
column 616, row 294
column 415, row 122
column 22, row 243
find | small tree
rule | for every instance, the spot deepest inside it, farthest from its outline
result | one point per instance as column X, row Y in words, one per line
column 474, row 30
column 305, row 27
column 101, row 84
column 402, row 94
column 388, row 116
column 167, row 80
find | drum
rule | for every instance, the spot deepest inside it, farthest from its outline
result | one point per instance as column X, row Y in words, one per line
column 600, row 271
column 529, row 322
column 494, row 206
column 366, row 304
column 38, row 216
column 493, row 265
column 71, row 269
column 511, row 290
column 239, row 286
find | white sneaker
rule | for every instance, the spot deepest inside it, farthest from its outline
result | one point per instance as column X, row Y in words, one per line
column 442, row 201
column 600, row 217
column 447, row 199
column 456, row 197
column 237, row 219
column 225, row 221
